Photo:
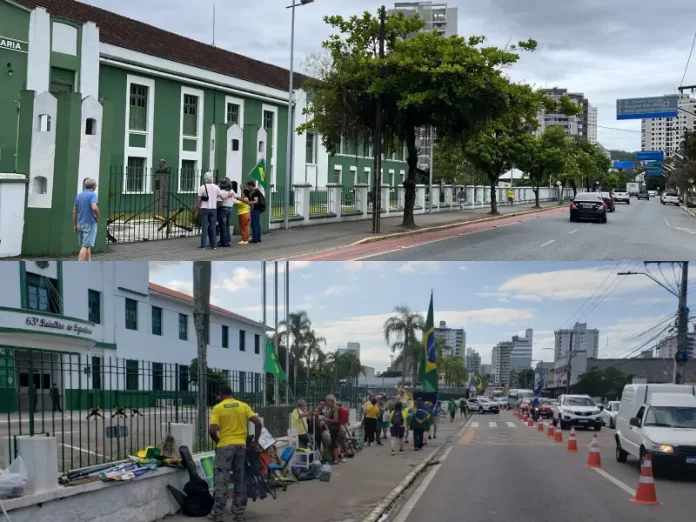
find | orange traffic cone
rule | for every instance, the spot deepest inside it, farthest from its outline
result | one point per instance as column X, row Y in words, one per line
column 524, row 417
column 558, row 436
column 550, row 432
column 530, row 422
column 594, row 459
column 540, row 427
column 572, row 441
column 646, row 493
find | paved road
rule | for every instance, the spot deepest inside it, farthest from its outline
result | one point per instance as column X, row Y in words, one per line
column 503, row 470
column 641, row 230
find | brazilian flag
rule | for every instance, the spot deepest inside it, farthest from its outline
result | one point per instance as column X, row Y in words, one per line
column 428, row 363
column 258, row 174
column 477, row 381
column 422, row 418
column 272, row 365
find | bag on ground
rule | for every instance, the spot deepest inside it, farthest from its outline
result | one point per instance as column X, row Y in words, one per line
column 13, row 479
column 325, row 475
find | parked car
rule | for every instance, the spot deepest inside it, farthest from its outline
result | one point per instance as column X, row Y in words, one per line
column 546, row 408
column 588, row 205
column 609, row 200
column 659, row 420
column 644, row 195
column 670, row 198
column 483, row 405
column 609, row 413
column 652, row 193
column 622, row 197
column 577, row 410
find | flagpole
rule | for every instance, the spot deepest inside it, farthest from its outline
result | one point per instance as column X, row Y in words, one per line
column 276, row 394
column 287, row 333
column 264, row 320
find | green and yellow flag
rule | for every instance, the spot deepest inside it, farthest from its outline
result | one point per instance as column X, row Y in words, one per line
column 428, row 365
column 258, row 174
column 477, row 381
column 272, row 365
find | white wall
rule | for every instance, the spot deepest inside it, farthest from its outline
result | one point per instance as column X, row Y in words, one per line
column 12, row 197
column 11, row 295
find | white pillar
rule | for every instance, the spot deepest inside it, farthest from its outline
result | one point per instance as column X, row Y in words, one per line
column 334, row 192
column 420, row 199
column 385, row 199
column 12, row 193
column 182, row 433
column 302, row 199
column 361, row 190
column 40, row 455
column 89, row 64
column 39, row 59
column 435, row 196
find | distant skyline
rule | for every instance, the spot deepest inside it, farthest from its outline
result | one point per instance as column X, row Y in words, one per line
column 492, row 301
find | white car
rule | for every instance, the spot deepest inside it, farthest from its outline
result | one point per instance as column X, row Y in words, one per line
column 652, row 193
column 483, row 405
column 501, row 401
column 623, row 197
column 609, row 414
column 577, row 410
column 670, row 198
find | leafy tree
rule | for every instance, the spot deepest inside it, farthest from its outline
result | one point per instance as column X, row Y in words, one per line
column 453, row 84
column 525, row 378
column 451, row 165
column 298, row 326
column 214, row 380
column 402, row 328
column 544, row 156
column 453, row 370
column 608, row 383
column 682, row 174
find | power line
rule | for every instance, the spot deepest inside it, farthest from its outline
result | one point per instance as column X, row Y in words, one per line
column 688, row 61
column 617, row 129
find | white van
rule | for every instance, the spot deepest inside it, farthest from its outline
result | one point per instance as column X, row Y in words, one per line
column 515, row 397
column 659, row 419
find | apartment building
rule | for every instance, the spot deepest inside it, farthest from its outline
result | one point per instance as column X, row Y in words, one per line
column 501, row 362
column 667, row 134
column 455, row 338
column 580, row 338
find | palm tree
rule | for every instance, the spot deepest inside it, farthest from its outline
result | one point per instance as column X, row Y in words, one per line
column 312, row 350
column 298, row 325
column 403, row 327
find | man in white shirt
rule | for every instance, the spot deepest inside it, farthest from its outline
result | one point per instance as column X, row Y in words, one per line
column 207, row 202
column 224, row 210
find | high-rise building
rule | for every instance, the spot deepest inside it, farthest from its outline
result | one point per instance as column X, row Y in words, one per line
column 486, row 369
column 501, row 362
column 580, row 338
column 349, row 347
column 577, row 125
column 592, row 125
column 667, row 134
column 455, row 338
column 521, row 355
column 667, row 348
column 472, row 361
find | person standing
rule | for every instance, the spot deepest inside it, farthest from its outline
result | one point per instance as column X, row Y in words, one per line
column 226, row 201
column 228, row 430
column 385, row 416
column 437, row 408
column 55, row 398
column 511, row 196
column 462, row 408
column 299, row 423
column 258, row 202
column 371, row 419
column 243, row 215
column 85, row 217
column 397, row 422
column 206, row 205
column 333, row 421
column 416, row 426
column 452, row 408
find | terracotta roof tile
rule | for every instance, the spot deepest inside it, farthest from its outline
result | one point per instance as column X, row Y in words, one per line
column 138, row 36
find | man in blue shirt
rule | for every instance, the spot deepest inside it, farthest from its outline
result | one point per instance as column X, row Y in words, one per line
column 85, row 217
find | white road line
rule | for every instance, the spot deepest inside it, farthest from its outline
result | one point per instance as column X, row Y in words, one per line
column 492, row 424
column 683, row 229
column 573, row 231
column 406, row 510
column 616, row 482
column 511, row 424
column 474, row 424
column 548, row 243
column 83, row 450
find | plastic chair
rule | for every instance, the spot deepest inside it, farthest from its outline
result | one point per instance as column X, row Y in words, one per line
column 278, row 469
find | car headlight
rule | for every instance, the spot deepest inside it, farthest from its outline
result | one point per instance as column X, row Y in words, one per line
column 661, row 448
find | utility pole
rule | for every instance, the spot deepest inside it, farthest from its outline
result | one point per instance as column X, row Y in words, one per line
column 377, row 174
column 264, row 321
column 570, row 361
column 201, row 321
column 287, row 335
column 276, row 392
column 682, row 328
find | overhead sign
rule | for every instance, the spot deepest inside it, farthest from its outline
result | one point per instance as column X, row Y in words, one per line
column 654, row 172
column 642, row 108
column 652, row 164
column 13, row 45
column 623, row 165
column 650, row 155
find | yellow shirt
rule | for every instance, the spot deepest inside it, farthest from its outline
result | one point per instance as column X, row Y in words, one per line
column 232, row 417
column 242, row 207
column 372, row 411
column 298, row 422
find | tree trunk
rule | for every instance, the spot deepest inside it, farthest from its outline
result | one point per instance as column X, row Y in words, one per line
column 410, row 181
column 494, row 197
column 201, row 321
column 536, row 197
column 405, row 359
column 574, row 187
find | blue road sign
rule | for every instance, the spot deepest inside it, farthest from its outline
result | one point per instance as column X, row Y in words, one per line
column 652, row 164
column 642, row 108
column 654, row 172
column 623, row 165
column 650, row 155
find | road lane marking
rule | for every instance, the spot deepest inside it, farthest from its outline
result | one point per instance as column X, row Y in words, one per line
column 468, row 436
column 83, row 450
column 511, row 424
column 573, row 231
column 415, row 497
column 474, row 425
column 683, row 229
column 548, row 243
column 616, row 482
column 492, row 424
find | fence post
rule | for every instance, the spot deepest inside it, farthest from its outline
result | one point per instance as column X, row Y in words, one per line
column 385, row 200
column 361, row 190
column 334, row 194
column 435, row 196
column 420, row 200
column 302, row 196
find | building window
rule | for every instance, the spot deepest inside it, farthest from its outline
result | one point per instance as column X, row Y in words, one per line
column 311, row 156
column 137, row 115
column 157, row 376
column 242, row 341
column 190, row 115
column 268, row 120
column 242, row 382
column 96, row 374
column 156, row 320
column 183, row 377
column 94, row 306
column 225, row 336
column 183, row 327
column 257, row 344
column 135, row 175
column 189, row 183
column 232, row 113
column 42, row 294
column 131, row 314
column 132, row 375
column 336, row 175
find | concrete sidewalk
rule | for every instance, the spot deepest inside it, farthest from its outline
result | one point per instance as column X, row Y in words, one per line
column 356, row 488
column 282, row 244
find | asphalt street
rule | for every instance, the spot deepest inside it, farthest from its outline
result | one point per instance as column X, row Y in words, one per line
column 501, row 469
column 639, row 231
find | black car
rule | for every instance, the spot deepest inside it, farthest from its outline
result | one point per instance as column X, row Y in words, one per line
column 644, row 195
column 609, row 200
column 588, row 205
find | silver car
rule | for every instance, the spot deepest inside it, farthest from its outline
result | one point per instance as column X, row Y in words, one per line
column 609, row 414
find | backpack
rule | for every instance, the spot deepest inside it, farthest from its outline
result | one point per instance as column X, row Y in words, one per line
column 343, row 415
column 262, row 202
column 397, row 419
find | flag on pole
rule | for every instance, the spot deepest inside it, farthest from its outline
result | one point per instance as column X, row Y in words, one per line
column 258, row 174
column 428, row 364
column 477, row 381
column 272, row 365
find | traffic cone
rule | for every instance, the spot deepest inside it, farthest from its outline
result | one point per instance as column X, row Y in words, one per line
column 558, row 436
column 594, row 459
column 524, row 417
column 572, row 441
column 550, row 432
column 646, row 493
column 540, row 427
column 530, row 422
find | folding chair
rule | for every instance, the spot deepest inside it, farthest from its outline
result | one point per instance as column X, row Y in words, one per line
column 278, row 469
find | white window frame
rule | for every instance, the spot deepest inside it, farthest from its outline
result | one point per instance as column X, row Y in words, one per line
column 354, row 175
column 368, row 171
column 402, row 177
column 392, row 176
column 274, row 151
column 196, row 155
column 235, row 101
column 138, row 152
column 338, row 168
column 314, row 147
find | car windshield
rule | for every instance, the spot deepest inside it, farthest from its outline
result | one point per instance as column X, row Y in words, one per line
column 579, row 401
column 671, row 417
column 545, row 401
column 587, row 196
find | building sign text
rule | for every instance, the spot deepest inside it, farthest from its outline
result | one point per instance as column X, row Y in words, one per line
column 13, row 45
column 53, row 324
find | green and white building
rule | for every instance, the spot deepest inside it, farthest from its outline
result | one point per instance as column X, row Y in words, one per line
column 88, row 93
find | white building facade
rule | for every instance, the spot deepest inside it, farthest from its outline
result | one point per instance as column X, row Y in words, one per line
column 97, row 330
column 455, row 338
column 473, row 362
column 501, row 362
column 580, row 338
column 667, row 134
column 521, row 355
column 592, row 125
column 349, row 347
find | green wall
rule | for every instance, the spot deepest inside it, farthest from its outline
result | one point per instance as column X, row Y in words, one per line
column 346, row 162
column 14, row 23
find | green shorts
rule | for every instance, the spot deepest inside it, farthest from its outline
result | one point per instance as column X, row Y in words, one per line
column 385, row 424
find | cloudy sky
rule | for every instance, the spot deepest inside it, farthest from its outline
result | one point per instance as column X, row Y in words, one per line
column 492, row 301
column 607, row 49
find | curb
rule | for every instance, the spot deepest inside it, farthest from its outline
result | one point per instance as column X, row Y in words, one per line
column 368, row 240
column 377, row 514
column 687, row 211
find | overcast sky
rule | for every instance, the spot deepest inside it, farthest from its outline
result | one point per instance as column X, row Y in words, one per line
column 607, row 49
column 492, row 301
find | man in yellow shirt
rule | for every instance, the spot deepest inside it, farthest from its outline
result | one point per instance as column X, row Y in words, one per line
column 299, row 422
column 228, row 429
